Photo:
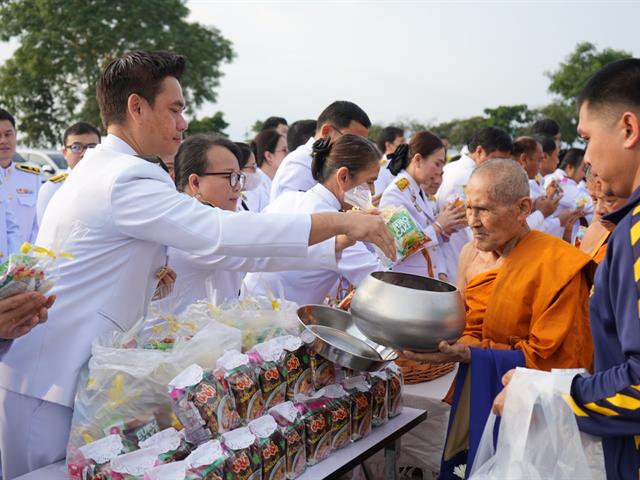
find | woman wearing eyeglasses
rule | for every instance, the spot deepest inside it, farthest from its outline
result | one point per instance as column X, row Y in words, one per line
column 270, row 148
column 208, row 169
column 343, row 169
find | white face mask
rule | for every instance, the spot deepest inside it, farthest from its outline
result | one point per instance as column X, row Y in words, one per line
column 359, row 196
column 252, row 181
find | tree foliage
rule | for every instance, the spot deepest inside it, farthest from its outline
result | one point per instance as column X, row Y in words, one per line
column 49, row 82
column 213, row 124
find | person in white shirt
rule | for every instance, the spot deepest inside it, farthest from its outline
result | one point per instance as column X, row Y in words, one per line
column 414, row 165
column 270, row 148
column 488, row 143
column 208, row 169
column 550, row 152
column 548, row 127
column 345, row 167
column 119, row 211
column 276, row 123
column 339, row 118
column 77, row 139
column 300, row 132
column 387, row 141
column 9, row 229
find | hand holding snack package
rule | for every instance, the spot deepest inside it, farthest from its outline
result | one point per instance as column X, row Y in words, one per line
column 317, row 423
column 407, row 234
column 237, row 373
column 271, row 447
column 361, row 406
column 243, row 462
column 207, row 462
column 378, row 381
column 288, row 418
column 268, row 359
column 338, row 402
column 395, row 385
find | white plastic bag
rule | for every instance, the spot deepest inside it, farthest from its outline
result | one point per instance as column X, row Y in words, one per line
column 538, row 436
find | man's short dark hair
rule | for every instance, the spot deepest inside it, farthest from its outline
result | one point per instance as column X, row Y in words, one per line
column 80, row 128
column 545, row 126
column 341, row 113
column 526, row 145
column 617, row 83
column 491, row 139
column 4, row 115
column 548, row 143
column 300, row 132
column 140, row 72
column 273, row 122
column 388, row 134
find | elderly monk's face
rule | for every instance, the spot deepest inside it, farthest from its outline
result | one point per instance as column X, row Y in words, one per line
column 493, row 223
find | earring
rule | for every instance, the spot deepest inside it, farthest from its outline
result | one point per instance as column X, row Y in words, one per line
column 198, row 196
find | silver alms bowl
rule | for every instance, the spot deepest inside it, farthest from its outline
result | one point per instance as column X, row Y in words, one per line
column 408, row 312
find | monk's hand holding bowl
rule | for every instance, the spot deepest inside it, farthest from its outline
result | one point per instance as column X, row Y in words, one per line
column 498, row 402
column 456, row 352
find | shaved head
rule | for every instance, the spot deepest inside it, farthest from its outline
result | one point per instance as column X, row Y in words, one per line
column 507, row 180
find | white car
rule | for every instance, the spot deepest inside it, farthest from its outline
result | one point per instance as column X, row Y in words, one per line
column 51, row 162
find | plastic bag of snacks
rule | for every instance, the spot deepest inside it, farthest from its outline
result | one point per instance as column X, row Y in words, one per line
column 361, row 406
column 323, row 372
column 317, row 424
column 239, row 376
column 243, row 462
column 268, row 359
column 207, row 462
column 170, row 443
column 288, row 418
column 271, row 447
column 93, row 460
column 407, row 234
column 297, row 366
column 395, row 385
column 203, row 404
column 378, row 381
column 338, row 403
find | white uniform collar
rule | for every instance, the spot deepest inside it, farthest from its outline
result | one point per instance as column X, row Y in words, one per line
column 264, row 176
column 326, row 195
column 413, row 185
column 112, row 142
column 467, row 161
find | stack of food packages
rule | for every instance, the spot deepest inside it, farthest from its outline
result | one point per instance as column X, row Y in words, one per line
column 264, row 414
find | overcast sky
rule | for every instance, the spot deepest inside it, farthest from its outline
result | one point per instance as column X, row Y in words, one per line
column 432, row 61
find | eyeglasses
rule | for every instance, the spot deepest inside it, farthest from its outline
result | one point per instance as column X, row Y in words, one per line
column 235, row 178
column 78, row 147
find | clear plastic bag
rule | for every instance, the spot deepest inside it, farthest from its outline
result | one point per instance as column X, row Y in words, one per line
column 538, row 436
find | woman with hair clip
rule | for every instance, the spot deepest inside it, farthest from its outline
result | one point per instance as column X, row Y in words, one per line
column 343, row 169
column 420, row 163
column 208, row 168
column 269, row 148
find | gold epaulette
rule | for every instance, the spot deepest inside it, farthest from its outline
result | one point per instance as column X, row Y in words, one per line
column 402, row 184
column 28, row 168
column 59, row 178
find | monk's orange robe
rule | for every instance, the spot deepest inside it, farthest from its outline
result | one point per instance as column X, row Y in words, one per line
column 599, row 252
column 537, row 301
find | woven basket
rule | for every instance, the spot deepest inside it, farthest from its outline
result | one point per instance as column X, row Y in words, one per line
column 418, row 372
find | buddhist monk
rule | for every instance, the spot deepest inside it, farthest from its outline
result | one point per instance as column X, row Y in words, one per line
column 526, row 297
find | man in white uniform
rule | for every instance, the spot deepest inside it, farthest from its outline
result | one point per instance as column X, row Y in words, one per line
column 77, row 139
column 9, row 229
column 119, row 213
column 21, row 182
column 339, row 118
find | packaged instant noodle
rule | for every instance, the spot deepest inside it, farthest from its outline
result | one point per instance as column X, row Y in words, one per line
column 378, row 381
column 203, row 404
column 271, row 447
column 133, row 465
column 235, row 370
column 243, row 462
column 171, row 445
column 317, row 424
column 207, row 462
column 168, row 471
column 338, row 403
column 323, row 372
column 297, row 368
column 93, row 460
column 407, row 234
column 288, row 418
column 361, row 406
column 268, row 359
column 395, row 385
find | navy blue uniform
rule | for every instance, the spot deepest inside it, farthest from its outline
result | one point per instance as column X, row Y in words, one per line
column 607, row 403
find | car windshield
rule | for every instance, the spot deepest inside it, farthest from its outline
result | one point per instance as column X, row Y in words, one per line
column 59, row 159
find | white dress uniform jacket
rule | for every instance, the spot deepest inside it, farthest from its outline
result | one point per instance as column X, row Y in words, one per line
column 294, row 173
column 405, row 192
column 22, row 183
column 536, row 220
column 258, row 198
column 47, row 191
column 385, row 177
column 9, row 229
column 130, row 211
column 305, row 287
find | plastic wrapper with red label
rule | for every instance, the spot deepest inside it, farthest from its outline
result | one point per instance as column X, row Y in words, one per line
column 171, row 445
column 395, row 384
column 378, row 381
column 207, row 462
column 338, row 402
column 268, row 359
column 323, row 372
column 361, row 406
column 134, row 465
column 203, row 404
column 317, row 424
column 235, row 370
column 243, row 462
column 408, row 235
column 93, row 461
column 271, row 446
column 297, row 366
column 288, row 418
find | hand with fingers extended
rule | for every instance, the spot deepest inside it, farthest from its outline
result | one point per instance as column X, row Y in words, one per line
column 498, row 402
column 546, row 205
column 451, row 219
column 19, row 314
column 456, row 352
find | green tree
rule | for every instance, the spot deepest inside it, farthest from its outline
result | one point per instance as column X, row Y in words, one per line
column 256, row 128
column 374, row 130
column 50, row 80
column 512, row 118
column 213, row 124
